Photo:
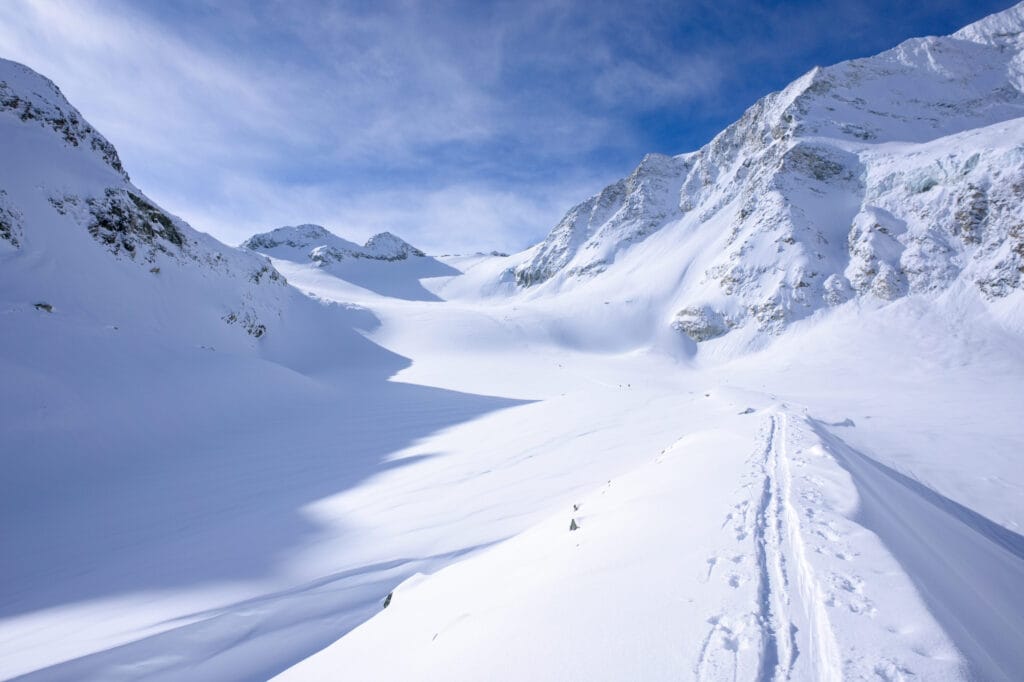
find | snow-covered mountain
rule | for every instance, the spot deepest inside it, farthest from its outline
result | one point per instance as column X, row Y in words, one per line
column 318, row 245
column 877, row 178
column 385, row 264
column 79, row 237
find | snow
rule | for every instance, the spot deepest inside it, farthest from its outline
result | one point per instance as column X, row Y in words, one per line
column 635, row 598
column 219, row 466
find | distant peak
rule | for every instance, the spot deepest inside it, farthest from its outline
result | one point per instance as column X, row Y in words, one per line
column 388, row 246
column 321, row 245
column 303, row 237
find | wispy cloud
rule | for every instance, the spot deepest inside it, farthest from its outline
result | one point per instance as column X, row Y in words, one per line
column 453, row 218
column 466, row 124
column 228, row 112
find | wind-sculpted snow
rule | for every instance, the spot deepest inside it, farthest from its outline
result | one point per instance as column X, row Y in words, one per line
column 899, row 174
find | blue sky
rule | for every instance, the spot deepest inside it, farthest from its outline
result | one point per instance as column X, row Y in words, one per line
column 461, row 126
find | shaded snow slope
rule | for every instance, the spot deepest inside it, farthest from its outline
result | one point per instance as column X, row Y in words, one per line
column 899, row 174
column 169, row 406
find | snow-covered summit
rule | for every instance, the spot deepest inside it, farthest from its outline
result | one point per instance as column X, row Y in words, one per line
column 875, row 178
column 295, row 242
column 79, row 239
column 386, row 246
column 316, row 243
column 385, row 265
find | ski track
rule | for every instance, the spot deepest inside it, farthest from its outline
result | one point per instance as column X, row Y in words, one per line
column 790, row 634
column 776, row 649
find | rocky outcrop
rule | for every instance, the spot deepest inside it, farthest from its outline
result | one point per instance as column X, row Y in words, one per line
column 10, row 221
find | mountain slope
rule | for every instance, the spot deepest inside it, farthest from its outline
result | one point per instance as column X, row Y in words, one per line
column 69, row 207
column 899, row 174
column 169, row 407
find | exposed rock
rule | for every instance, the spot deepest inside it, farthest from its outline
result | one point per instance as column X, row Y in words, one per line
column 701, row 323
column 10, row 221
column 249, row 321
column 124, row 222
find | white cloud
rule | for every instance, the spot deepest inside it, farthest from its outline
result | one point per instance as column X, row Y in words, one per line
column 243, row 117
column 452, row 219
column 682, row 79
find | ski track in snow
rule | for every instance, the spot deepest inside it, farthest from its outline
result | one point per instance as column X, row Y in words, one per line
column 788, row 633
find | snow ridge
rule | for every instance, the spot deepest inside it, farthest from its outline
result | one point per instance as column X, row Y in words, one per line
column 1003, row 29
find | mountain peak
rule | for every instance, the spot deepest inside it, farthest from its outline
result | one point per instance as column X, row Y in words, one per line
column 1003, row 29
column 387, row 246
column 314, row 242
column 33, row 98
column 876, row 178
column 299, row 238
